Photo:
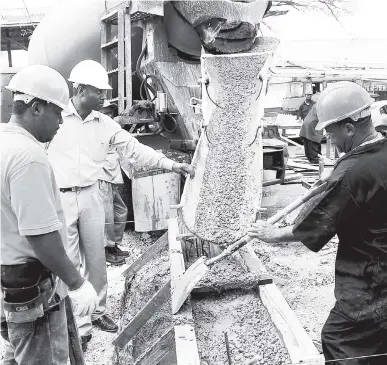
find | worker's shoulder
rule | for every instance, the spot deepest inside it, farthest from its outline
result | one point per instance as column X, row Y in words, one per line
column 18, row 150
column 368, row 164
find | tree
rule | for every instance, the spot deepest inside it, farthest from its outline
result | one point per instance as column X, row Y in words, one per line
column 330, row 7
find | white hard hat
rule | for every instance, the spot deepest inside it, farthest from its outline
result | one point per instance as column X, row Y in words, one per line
column 41, row 82
column 89, row 72
column 342, row 100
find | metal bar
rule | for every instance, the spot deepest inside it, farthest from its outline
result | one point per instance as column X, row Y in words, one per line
column 121, row 60
column 9, row 51
column 128, row 61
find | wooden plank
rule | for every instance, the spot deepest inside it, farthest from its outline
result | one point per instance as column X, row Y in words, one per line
column 186, row 346
column 121, row 60
column 157, row 247
column 298, row 344
column 185, row 339
column 128, row 61
column 305, row 166
column 143, row 316
column 159, row 350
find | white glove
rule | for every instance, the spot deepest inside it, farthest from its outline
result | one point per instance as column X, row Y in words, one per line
column 84, row 300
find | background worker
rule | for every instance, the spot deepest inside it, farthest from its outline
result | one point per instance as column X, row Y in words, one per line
column 353, row 206
column 306, row 106
column 77, row 154
column 116, row 211
column 311, row 137
column 33, row 230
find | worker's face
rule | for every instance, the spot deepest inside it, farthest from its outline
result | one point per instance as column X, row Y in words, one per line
column 342, row 136
column 48, row 118
column 93, row 98
column 308, row 97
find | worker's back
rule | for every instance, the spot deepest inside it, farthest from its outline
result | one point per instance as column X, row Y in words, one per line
column 365, row 232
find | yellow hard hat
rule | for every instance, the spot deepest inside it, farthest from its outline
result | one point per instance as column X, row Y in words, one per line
column 89, row 72
column 42, row 82
column 342, row 100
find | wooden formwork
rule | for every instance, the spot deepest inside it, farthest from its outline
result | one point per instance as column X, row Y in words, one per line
column 178, row 345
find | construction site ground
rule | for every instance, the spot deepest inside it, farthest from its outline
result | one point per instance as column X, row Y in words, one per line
column 307, row 280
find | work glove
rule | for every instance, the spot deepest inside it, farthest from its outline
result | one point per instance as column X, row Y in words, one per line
column 84, row 299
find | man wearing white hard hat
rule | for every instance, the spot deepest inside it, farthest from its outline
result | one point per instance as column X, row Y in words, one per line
column 353, row 206
column 35, row 269
column 78, row 153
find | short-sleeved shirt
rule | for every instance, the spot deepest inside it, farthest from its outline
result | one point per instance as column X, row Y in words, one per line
column 305, row 109
column 353, row 207
column 30, row 200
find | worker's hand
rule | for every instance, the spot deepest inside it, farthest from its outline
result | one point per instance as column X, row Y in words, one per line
column 141, row 105
column 183, row 169
column 263, row 231
column 84, row 300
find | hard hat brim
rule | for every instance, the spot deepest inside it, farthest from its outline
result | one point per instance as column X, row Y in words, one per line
column 97, row 86
column 48, row 100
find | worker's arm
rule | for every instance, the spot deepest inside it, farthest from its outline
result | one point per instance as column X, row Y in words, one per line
column 143, row 156
column 33, row 201
column 270, row 233
column 317, row 222
column 49, row 250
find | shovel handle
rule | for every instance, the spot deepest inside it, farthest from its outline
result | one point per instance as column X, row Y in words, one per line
column 274, row 219
column 298, row 202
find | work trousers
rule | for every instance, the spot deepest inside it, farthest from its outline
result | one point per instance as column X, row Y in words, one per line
column 312, row 150
column 85, row 219
column 115, row 213
column 43, row 341
column 344, row 338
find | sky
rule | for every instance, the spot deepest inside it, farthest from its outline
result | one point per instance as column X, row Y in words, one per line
column 308, row 36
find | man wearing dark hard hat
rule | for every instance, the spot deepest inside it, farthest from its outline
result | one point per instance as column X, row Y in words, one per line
column 353, row 206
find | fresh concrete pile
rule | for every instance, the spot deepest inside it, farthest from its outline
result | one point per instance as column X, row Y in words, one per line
column 252, row 337
column 219, row 203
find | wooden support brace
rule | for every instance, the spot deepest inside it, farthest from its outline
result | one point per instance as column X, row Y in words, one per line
column 297, row 342
column 157, row 247
column 159, row 350
column 143, row 316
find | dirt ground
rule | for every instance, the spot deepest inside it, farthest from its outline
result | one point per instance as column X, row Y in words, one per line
column 308, row 289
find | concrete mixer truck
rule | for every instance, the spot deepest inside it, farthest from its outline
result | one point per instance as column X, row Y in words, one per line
column 202, row 65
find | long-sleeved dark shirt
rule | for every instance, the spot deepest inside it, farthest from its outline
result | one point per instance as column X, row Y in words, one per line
column 304, row 109
column 354, row 207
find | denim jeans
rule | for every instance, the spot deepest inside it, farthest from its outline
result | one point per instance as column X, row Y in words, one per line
column 43, row 341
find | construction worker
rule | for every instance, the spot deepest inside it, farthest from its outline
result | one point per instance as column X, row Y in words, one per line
column 33, row 229
column 77, row 154
column 353, row 206
column 116, row 211
column 310, row 137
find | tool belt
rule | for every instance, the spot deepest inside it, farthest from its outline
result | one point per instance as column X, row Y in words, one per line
column 27, row 291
